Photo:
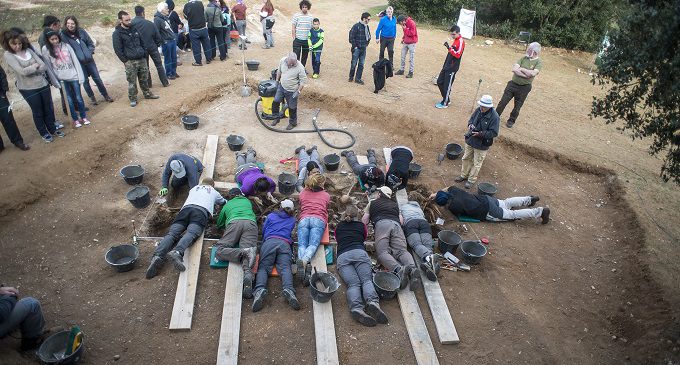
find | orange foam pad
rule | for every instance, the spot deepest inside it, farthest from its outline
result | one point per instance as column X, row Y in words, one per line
column 274, row 273
column 326, row 238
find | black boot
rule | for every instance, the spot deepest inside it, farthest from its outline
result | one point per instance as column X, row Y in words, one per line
column 276, row 106
column 292, row 121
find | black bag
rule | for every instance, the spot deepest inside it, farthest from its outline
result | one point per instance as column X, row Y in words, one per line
column 269, row 22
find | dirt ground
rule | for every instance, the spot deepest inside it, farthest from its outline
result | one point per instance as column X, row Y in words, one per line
column 597, row 285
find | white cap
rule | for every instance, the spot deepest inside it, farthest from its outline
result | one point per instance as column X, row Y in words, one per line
column 486, row 101
column 178, row 169
column 287, row 204
column 387, row 191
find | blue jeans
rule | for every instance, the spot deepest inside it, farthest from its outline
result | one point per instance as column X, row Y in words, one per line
column 316, row 62
column 275, row 252
column 26, row 316
column 354, row 267
column 358, row 58
column 73, row 96
column 170, row 57
column 199, row 37
column 90, row 70
column 40, row 101
column 310, row 230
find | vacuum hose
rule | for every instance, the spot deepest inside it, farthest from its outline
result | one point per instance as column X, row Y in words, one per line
column 316, row 129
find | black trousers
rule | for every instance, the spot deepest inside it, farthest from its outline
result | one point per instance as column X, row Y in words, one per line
column 8, row 122
column 389, row 44
column 216, row 36
column 158, row 62
column 445, row 84
column 301, row 49
column 519, row 93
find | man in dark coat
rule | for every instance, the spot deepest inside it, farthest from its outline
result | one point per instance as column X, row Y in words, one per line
column 152, row 40
column 359, row 38
column 483, row 127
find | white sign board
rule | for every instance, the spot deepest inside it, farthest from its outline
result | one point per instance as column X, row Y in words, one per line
column 466, row 22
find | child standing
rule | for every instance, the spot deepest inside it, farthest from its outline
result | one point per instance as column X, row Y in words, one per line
column 315, row 42
column 69, row 72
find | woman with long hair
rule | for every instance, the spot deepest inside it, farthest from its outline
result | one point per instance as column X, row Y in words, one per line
column 267, row 20
column 30, row 80
column 314, row 201
column 67, row 68
column 83, row 46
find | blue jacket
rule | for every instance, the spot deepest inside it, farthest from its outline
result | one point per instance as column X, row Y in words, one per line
column 488, row 124
column 386, row 28
column 278, row 224
column 192, row 165
column 81, row 43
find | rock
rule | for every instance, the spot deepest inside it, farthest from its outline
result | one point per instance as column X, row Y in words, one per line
column 488, row 42
column 116, row 357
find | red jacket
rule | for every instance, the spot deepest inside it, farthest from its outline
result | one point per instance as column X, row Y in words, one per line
column 457, row 47
column 410, row 32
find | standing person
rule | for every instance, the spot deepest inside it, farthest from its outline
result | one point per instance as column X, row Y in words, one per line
column 129, row 47
column 315, row 44
column 369, row 174
column 162, row 22
column 239, row 241
column 175, row 22
column 67, row 69
column 181, row 169
column 226, row 24
column 84, row 47
column 359, row 38
column 385, row 34
column 213, row 15
column 355, row 269
column 7, row 117
column 483, row 127
column 309, row 164
column 24, row 314
column 192, row 220
column 51, row 22
column 314, row 201
column 454, row 53
column 408, row 44
column 291, row 78
column 30, row 71
column 397, row 174
column 390, row 243
column 524, row 72
column 238, row 11
column 419, row 234
column 302, row 23
column 198, row 31
column 276, row 241
column 267, row 20
column 151, row 40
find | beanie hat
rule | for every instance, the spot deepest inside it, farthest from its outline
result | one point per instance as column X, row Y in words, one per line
column 171, row 4
column 311, row 165
column 442, row 197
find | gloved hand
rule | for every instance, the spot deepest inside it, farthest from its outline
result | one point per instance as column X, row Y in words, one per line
column 163, row 192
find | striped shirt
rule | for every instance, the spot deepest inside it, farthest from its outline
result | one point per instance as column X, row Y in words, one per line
column 302, row 23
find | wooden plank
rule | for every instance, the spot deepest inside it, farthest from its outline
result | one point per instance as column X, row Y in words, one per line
column 324, row 327
column 221, row 185
column 417, row 331
column 185, row 296
column 227, row 351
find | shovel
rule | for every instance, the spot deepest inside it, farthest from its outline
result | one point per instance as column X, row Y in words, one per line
column 245, row 89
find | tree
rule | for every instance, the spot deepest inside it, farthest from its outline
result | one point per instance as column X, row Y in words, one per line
column 641, row 69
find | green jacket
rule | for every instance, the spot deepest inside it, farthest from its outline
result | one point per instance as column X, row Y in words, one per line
column 238, row 208
column 315, row 40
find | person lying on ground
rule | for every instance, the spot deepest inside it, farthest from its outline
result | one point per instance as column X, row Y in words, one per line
column 249, row 175
column 181, row 169
column 483, row 127
column 314, row 201
column 419, row 235
column 390, row 242
column 291, row 78
column 192, row 220
column 24, row 314
column 239, row 241
column 488, row 208
column 370, row 175
column 276, row 249
column 397, row 174
column 355, row 269
column 308, row 160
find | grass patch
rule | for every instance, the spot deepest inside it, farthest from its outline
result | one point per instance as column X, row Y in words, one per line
column 376, row 9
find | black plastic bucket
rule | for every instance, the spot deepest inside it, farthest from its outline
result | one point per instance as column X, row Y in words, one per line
column 139, row 196
column 414, row 170
column 252, row 65
column 287, row 183
column 132, row 174
column 122, row 257
column 190, row 122
column 332, row 162
column 453, row 151
column 473, row 251
column 448, row 241
column 386, row 284
column 322, row 286
column 486, row 188
column 53, row 349
column 235, row 142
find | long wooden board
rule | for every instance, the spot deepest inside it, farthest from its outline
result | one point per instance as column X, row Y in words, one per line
column 185, row 296
column 227, row 351
column 324, row 327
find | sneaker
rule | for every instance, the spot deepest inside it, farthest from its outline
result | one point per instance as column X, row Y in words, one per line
column 359, row 81
column 177, row 75
column 275, row 122
column 258, row 301
column 360, row 316
column 545, row 216
column 247, row 284
column 196, row 64
column 307, row 274
column 151, row 96
column 468, row 185
column 59, row 134
column 460, row 179
column 345, row 153
column 399, row 73
column 133, row 103
column 58, row 125
column 76, row 124
column 441, row 105
column 427, row 266
column 154, row 266
column 251, row 150
column 403, row 276
column 374, row 310
column 172, row 77
column 292, row 300
column 414, row 277
column 509, row 124
column 290, row 126
column 315, row 76
column 47, row 138
column 534, row 199
column 266, row 46
column 300, row 272
column 176, row 258
column 297, row 150
column 410, row 75
column 311, row 149
column 86, row 121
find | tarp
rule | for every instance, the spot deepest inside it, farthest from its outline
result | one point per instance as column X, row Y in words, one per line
column 466, row 22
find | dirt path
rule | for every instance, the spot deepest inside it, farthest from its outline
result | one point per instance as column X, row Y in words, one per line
column 576, row 291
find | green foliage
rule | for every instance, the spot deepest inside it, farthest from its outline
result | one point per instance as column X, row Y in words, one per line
column 641, row 70
column 573, row 24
